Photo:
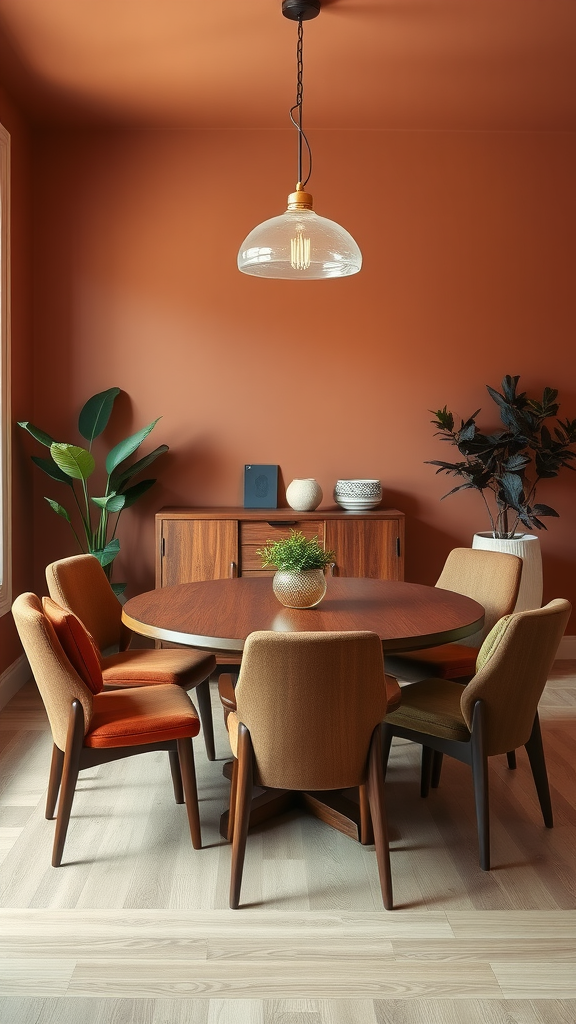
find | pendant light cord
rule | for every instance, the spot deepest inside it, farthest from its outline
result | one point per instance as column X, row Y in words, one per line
column 298, row 107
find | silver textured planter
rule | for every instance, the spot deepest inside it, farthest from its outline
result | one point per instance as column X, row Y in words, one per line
column 299, row 589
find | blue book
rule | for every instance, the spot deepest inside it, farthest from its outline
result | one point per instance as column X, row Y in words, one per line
column 260, row 486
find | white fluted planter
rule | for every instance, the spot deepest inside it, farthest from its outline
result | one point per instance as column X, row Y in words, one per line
column 527, row 547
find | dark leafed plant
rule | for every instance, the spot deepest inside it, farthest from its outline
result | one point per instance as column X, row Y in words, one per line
column 506, row 467
column 73, row 465
column 295, row 553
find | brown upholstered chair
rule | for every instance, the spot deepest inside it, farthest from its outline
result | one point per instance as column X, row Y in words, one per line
column 309, row 713
column 490, row 577
column 497, row 711
column 93, row 728
column 80, row 584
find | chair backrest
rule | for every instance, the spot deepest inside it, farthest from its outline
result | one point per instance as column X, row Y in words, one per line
column 490, row 577
column 80, row 584
column 57, row 681
column 515, row 664
column 311, row 702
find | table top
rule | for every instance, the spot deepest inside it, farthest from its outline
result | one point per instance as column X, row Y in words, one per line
column 220, row 614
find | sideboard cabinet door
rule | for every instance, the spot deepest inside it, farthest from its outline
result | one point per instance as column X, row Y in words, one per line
column 197, row 549
column 365, row 547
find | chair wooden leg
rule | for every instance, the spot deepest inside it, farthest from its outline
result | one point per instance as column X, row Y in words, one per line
column 426, row 770
column 54, row 781
column 71, row 767
column 386, row 741
column 535, row 752
column 511, row 758
column 375, row 789
column 176, row 776
column 233, row 792
column 366, row 830
column 242, row 813
column 205, row 710
column 437, row 760
column 480, row 779
column 188, row 773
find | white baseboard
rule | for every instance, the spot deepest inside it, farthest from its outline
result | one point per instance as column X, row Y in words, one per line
column 567, row 649
column 13, row 678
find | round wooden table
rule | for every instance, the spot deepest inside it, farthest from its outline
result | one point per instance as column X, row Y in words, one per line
column 220, row 614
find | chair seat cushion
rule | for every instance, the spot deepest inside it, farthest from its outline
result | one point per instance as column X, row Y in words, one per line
column 432, row 706
column 450, row 661
column 76, row 642
column 142, row 714
column 143, row 667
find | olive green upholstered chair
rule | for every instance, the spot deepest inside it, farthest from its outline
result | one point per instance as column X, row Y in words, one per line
column 497, row 711
column 80, row 584
column 309, row 708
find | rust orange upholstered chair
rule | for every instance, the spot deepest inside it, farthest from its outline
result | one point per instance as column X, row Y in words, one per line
column 80, row 584
column 91, row 727
column 497, row 711
column 309, row 708
column 490, row 577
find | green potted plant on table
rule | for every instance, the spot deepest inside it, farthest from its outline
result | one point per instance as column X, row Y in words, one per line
column 299, row 580
column 505, row 467
column 73, row 465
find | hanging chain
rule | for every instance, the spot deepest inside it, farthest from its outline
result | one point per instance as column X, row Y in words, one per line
column 298, row 106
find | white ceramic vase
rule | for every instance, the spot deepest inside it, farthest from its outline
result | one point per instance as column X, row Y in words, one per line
column 527, row 547
column 303, row 589
column 304, row 495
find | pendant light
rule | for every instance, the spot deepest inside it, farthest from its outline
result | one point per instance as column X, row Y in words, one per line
column 299, row 245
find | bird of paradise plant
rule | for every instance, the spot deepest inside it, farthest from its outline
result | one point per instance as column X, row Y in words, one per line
column 73, row 466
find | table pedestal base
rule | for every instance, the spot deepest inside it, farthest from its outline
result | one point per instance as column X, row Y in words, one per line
column 340, row 808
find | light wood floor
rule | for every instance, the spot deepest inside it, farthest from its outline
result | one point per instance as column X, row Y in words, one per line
column 134, row 927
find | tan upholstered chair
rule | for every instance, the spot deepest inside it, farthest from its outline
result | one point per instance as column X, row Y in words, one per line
column 497, row 711
column 309, row 713
column 93, row 728
column 490, row 577
column 80, row 584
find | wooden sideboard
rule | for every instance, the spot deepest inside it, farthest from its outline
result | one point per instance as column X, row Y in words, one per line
column 194, row 544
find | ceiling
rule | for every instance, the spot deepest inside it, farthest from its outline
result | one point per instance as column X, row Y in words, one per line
column 230, row 64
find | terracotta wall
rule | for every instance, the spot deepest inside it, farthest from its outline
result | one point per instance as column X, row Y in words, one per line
column 22, row 502
column 469, row 243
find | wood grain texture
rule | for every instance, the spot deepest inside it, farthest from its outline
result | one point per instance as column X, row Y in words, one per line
column 224, row 612
column 197, row 550
column 365, row 547
column 134, row 929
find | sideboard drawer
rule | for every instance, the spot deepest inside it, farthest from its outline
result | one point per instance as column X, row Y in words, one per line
column 255, row 535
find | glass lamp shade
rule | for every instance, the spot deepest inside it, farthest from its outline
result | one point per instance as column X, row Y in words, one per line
column 299, row 246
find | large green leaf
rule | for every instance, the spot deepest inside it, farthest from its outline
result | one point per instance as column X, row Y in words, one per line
column 72, row 460
column 95, row 414
column 112, row 502
column 120, row 477
column 125, row 448
column 52, row 470
column 58, row 509
column 40, row 435
column 118, row 588
column 131, row 494
column 107, row 554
